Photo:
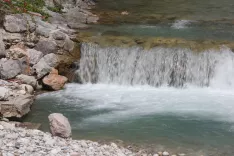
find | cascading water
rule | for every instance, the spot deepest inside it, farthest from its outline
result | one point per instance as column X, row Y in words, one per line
column 159, row 66
column 125, row 95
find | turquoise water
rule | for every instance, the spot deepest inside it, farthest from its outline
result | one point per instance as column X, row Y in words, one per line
column 181, row 9
column 191, row 30
column 194, row 121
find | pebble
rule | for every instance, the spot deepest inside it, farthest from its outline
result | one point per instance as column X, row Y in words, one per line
column 165, row 153
column 35, row 142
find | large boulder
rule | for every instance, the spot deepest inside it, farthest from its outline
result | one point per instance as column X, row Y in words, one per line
column 54, row 81
column 9, row 68
column 46, row 47
column 15, row 23
column 44, row 66
column 17, row 106
column 19, row 23
column 59, row 125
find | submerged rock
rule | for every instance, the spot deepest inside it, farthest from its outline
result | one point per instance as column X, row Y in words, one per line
column 59, row 125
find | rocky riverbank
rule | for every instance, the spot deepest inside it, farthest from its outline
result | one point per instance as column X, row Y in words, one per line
column 38, row 54
column 19, row 141
column 24, row 142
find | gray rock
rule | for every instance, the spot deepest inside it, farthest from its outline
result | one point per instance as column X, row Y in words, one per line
column 43, row 31
column 15, row 23
column 69, row 45
column 2, row 45
column 34, row 56
column 12, row 37
column 45, row 65
column 4, row 93
column 17, row 106
column 30, row 80
column 58, row 35
column 46, row 47
column 42, row 68
column 29, row 89
column 75, row 16
column 51, row 59
column 59, row 125
column 9, row 68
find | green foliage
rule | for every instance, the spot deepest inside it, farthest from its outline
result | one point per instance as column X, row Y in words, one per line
column 23, row 6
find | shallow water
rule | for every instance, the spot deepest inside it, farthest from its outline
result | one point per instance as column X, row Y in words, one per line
column 193, row 120
column 197, row 118
column 182, row 9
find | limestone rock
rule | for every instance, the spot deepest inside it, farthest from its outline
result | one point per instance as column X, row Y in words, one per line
column 17, row 106
column 9, row 68
column 43, row 31
column 34, row 56
column 58, row 35
column 12, row 38
column 69, row 45
column 46, row 47
column 28, row 89
column 4, row 93
column 15, row 23
column 16, row 52
column 59, row 125
column 54, row 81
column 45, row 65
column 30, row 80
column 2, row 45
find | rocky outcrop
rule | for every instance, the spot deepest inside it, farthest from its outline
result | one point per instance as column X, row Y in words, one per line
column 17, row 106
column 59, row 125
column 54, row 81
column 30, row 49
column 15, row 99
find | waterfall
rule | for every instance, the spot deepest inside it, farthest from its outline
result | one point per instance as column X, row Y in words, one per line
column 177, row 67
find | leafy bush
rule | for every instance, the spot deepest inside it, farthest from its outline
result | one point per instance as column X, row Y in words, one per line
column 23, row 6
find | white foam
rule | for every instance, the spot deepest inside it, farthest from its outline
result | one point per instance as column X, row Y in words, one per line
column 126, row 102
column 181, row 24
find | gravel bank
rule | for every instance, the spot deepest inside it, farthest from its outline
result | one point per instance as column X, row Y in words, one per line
column 24, row 142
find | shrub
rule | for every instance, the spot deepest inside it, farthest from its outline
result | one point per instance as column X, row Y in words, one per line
column 23, row 6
